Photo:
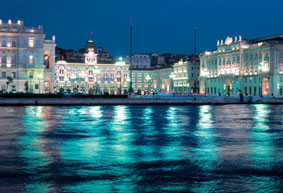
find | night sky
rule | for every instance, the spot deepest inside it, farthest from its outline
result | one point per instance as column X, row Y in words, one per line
column 160, row 26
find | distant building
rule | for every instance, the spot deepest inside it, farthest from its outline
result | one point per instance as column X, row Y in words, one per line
column 185, row 76
column 140, row 61
column 26, row 57
column 91, row 76
column 254, row 67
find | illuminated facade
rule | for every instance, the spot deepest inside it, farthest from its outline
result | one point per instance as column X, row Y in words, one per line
column 26, row 57
column 253, row 66
column 90, row 76
column 186, row 75
column 152, row 80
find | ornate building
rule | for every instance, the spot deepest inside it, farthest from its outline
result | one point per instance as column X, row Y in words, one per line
column 253, row 66
column 26, row 57
column 90, row 76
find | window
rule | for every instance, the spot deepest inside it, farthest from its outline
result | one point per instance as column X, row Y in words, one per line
column 3, row 58
column 3, row 74
column 14, row 44
column 4, row 43
column 3, row 87
column 13, row 88
column 13, row 59
column 61, row 71
column 14, row 74
column 36, row 86
column 31, row 59
column 31, row 42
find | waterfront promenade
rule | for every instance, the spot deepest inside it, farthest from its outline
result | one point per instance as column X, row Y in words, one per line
column 142, row 100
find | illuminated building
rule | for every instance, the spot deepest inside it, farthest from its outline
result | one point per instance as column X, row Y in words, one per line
column 253, row 66
column 152, row 80
column 91, row 76
column 185, row 76
column 26, row 57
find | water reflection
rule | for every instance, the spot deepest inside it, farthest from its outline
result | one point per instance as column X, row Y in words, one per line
column 206, row 153
column 32, row 147
column 142, row 149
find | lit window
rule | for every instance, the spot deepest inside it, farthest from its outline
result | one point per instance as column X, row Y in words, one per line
column 31, row 42
column 31, row 59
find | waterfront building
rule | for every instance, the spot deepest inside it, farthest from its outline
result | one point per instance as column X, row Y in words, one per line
column 161, row 81
column 142, row 80
column 155, row 80
column 91, row 76
column 185, row 76
column 254, row 67
column 26, row 57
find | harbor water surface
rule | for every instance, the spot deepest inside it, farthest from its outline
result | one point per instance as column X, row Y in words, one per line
column 227, row 148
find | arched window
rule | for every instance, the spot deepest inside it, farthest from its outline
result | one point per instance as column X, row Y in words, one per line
column 46, row 61
column 61, row 71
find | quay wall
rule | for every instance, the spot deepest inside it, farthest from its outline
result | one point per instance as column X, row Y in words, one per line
column 139, row 101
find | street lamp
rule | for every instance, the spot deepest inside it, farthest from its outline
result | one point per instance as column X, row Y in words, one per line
column 172, row 76
column 148, row 78
column 39, row 77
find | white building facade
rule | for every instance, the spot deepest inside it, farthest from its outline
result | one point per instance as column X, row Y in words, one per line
column 254, row 67
column 90, row 76
column 185, row 75
column 26, row 57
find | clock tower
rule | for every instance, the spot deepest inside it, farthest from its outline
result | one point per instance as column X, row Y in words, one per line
column 90, row 55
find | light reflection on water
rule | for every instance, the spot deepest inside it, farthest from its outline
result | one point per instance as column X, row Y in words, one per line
column 142, row 148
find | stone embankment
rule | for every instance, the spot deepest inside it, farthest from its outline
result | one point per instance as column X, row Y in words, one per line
column 140, row 100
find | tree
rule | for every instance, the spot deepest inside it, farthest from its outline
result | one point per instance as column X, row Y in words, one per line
column 9, row 81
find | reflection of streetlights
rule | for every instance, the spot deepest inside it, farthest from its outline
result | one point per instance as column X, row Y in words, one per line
column 148, row 78
column 172, row 76
column 39, row 77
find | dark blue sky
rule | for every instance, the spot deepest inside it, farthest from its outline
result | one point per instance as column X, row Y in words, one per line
column 159, row 25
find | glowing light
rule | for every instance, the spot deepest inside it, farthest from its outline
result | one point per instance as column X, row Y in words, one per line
column 19, row 22
column 31, row 42
column 9, row 21
column 245, row 46
column 172, row 75
column 207, row 53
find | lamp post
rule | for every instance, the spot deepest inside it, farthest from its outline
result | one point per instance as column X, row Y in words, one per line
column 39, row 77
column 30, row 77
column 172, row 76
column 148, row 78
column 129, row 81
